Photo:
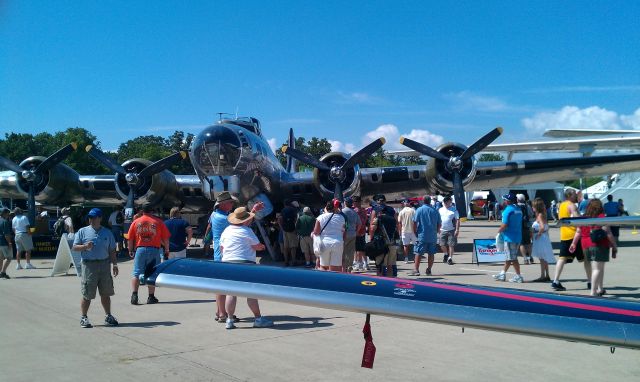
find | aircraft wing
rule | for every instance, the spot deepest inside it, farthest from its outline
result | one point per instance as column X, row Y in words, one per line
column 567, row 133
column 612, row 220
column 517, row 172
column 165, row 189
column 573, row 318
column 564, row 145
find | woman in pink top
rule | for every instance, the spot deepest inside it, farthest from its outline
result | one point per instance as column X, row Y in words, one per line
column 596, row 252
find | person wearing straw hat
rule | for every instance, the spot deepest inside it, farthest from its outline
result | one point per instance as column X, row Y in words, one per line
column 238, row 244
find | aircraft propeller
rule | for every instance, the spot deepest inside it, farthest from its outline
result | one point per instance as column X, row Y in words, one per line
column 336, row 173
column 455, row 164
column 132, row 178
column 34, row 174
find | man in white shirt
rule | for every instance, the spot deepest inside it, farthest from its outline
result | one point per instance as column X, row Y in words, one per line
column 449, row 230
column 24, row 243
column 405, row 220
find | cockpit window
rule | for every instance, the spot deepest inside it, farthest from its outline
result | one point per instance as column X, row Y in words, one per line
column 216, row 151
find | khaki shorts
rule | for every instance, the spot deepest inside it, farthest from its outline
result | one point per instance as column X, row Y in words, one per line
column 178, row 255
column 332, row 254
column 348, row 252
column 24, row 243
column 388, row 259
column 5, row 252
column 447, row 238
column 306, row 245
column 290, row 240
column 96, row 275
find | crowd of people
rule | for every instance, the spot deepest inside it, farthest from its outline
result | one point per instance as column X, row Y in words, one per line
column 345, row 236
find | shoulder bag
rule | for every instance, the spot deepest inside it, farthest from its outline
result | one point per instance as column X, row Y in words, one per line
column 318, row 245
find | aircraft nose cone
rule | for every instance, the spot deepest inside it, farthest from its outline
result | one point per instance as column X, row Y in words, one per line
column 216, row 150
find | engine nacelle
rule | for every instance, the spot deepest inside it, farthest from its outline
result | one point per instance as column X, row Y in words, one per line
column 58, row 186
column 438, row 174
column 350, row 181
column 158, row 189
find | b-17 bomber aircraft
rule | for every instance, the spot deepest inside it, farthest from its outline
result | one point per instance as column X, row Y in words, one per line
column 233, row 155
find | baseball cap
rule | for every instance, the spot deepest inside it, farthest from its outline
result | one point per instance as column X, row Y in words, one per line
column 510, row 197
column 95, row 212
column 336, row 203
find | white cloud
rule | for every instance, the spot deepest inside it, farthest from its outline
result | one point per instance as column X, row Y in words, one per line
column 272, row 144
column 632, row 121
column 469, row 101
column 392, row 136
column 572, row 117
column 360, row 98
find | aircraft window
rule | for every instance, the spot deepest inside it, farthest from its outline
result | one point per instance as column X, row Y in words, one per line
column 374, row 177
column 186, row 192
column 86, row 184
column 416, row 174
column 197, row 192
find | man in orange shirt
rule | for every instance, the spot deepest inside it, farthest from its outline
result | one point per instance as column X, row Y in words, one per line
column 146, row 235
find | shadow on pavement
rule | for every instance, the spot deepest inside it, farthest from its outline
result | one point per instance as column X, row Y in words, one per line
column 149, row 325
column 186, row 302
column 295, row 322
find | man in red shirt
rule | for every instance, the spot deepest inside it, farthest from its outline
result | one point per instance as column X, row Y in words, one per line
column 146, row 235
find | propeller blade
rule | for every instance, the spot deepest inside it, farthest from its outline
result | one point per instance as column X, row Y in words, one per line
column 481, row 143
column 56, row 158
column 162, row 164
column 458, row 193
column 6, row 163
column 364, row 152
column 130, row 197
column 337, row 194
column 291, row 161
column 105, row 160
column 305, row 158
column 423, row 149
column 31, row 214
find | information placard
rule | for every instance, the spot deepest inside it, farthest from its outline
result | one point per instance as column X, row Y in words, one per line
column 485, row 251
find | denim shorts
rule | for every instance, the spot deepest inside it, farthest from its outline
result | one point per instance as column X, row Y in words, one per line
column 421, row 247
column 146, row 259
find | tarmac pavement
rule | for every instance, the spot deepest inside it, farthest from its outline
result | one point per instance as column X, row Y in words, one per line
column 177, row 339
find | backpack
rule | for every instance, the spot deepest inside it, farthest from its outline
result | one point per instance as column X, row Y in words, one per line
column 59, row 227
column 119, row 218
column 525, row 216
column 289, row 220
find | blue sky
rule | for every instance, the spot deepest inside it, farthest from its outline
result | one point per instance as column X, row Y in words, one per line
column 346, row 71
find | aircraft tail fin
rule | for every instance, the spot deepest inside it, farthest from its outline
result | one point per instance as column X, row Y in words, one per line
column 292, row 164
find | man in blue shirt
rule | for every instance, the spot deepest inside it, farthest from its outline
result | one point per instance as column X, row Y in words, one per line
column 511, row 230
column 217, row 223
column 181, row 234
column 612, row 208
column 426, row 224
column 98, row 251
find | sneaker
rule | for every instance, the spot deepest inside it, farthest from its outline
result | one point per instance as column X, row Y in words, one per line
column 29, row 266
column 109, row 320
column 531, row 260
column 134, row 299
column 85, row 323
column 414, row 273
column 540, row 280
column 308, row 264
column 152, row 300
column 445, row 258
column 557, row 286
column 18, row 267
column 516, row 279
column 230, row 324
column 262, row 322
column 4, row 276
column 406, row 260
column 450, row 261
column 427, row 272
column 500, row 277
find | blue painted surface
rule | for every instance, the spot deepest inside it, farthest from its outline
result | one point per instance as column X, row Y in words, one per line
column 452, row 294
